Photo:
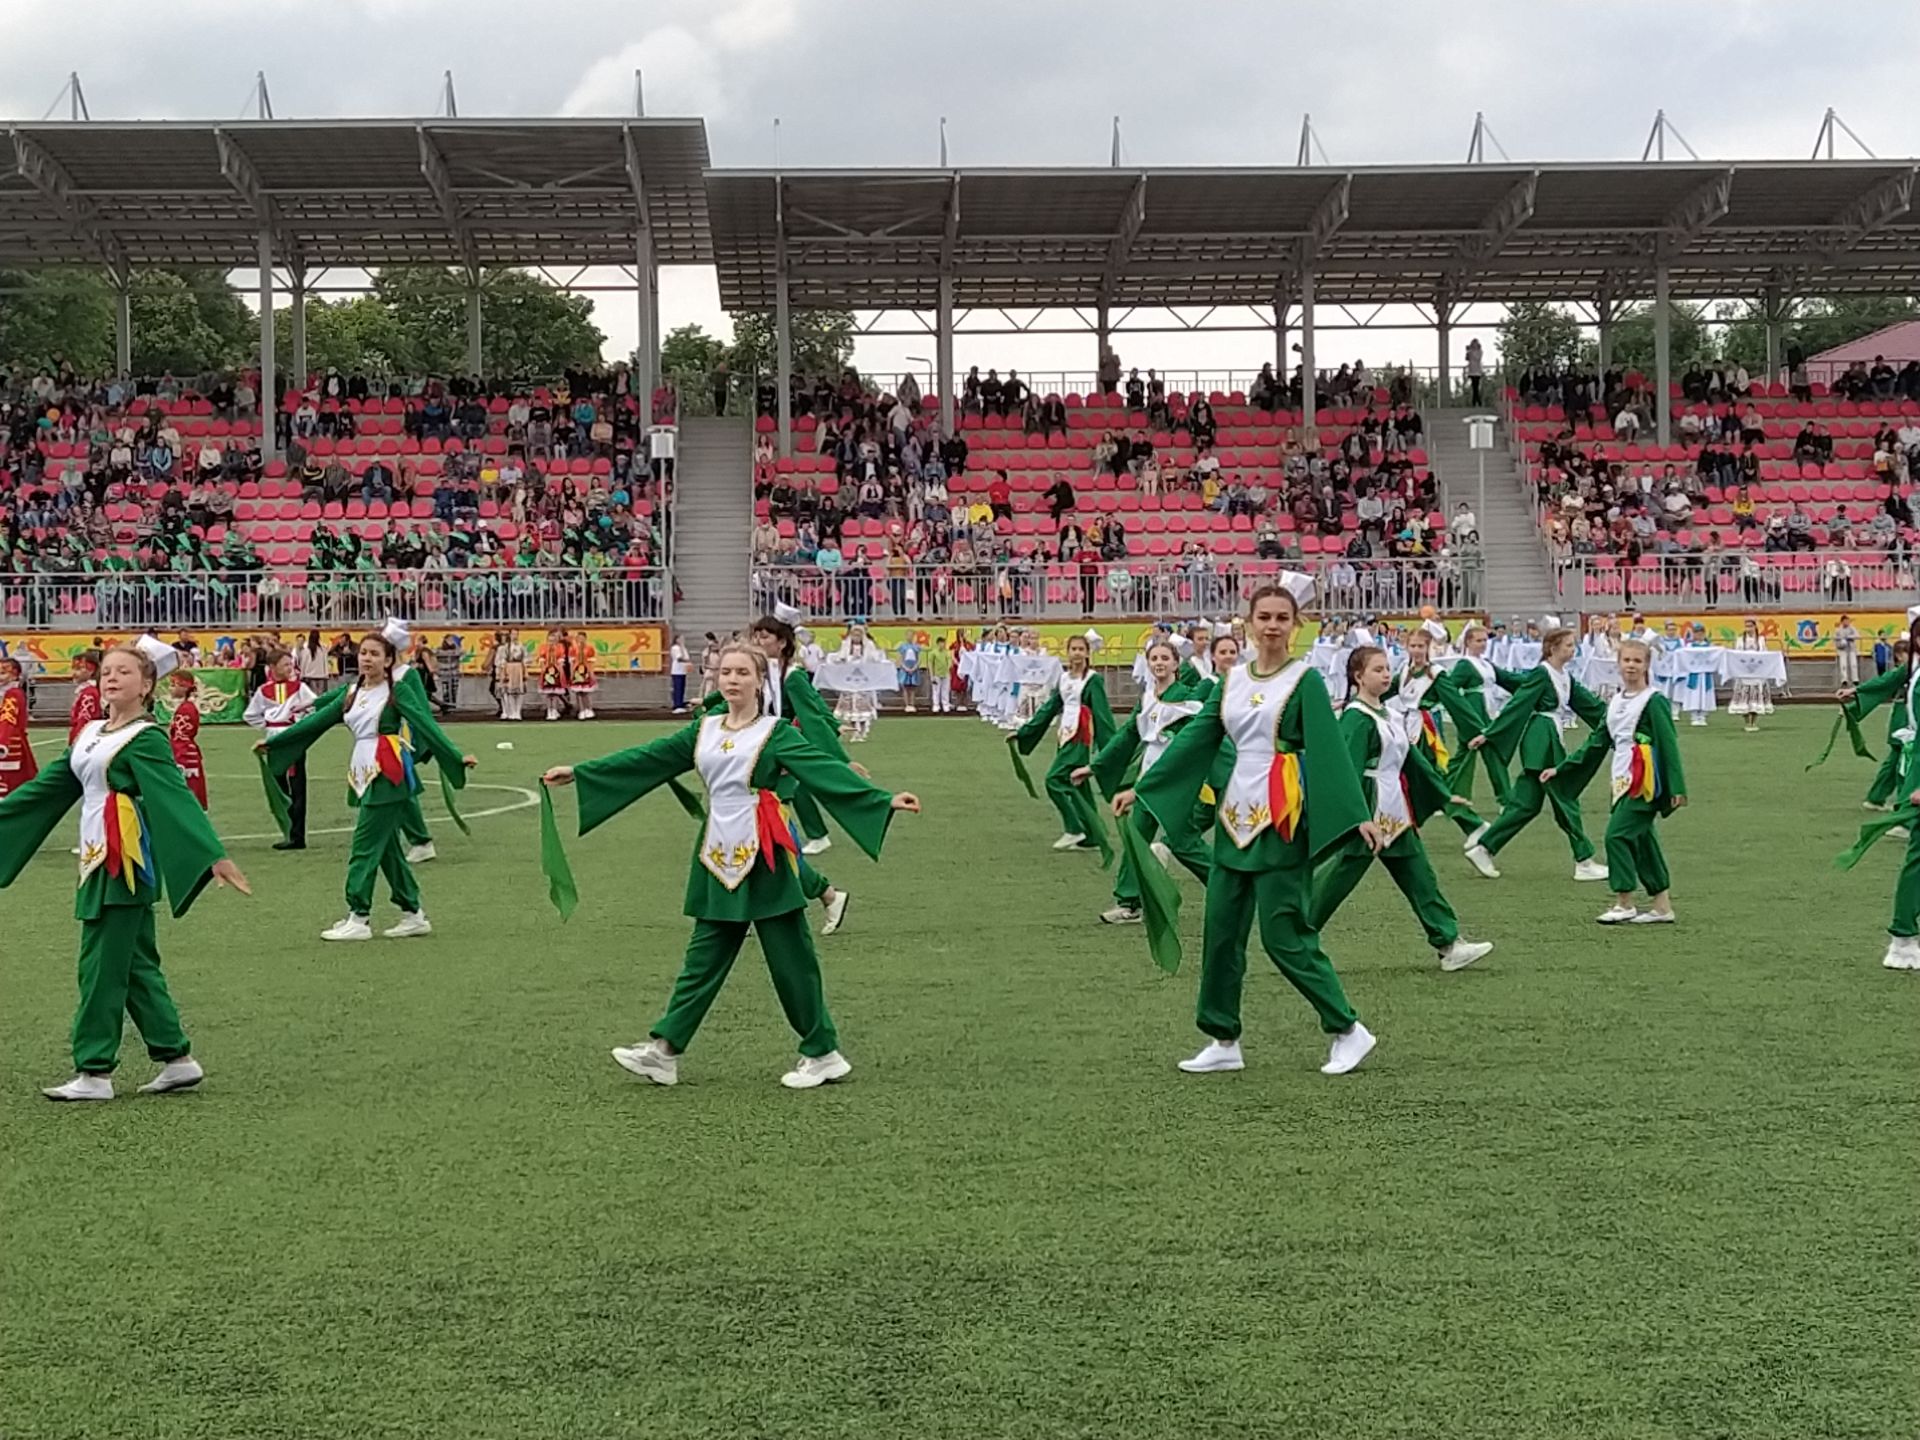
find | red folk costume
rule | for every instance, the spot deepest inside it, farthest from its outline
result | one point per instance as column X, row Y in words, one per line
column 585, row 682
column 86, row 709
column 17, row 764
column 554, row 667
column 183, row 733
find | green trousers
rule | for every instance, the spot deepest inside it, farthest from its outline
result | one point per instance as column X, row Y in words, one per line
column 1634, row 860
column 380, row 848
column 788, row 946
column 1465, row 762
column 1523, row 802
column 413, row 825
column 1906, row 891
column 1280, row 898
column 1067, row 797
column 120, row 976
column 1406, row 861
column 807, row 811
column 812, row 883
column 1886, row 780
column 1187, row 848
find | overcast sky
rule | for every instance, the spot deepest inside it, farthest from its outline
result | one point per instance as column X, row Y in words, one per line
column 857, row 82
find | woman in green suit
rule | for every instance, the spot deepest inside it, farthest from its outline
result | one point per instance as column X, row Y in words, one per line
column 745, row 870
column 1290, row 798
column 141, row 832
column 389, row 720
column 1078, row 707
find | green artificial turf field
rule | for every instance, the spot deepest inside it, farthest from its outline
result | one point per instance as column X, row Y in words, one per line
column 1659, row 1183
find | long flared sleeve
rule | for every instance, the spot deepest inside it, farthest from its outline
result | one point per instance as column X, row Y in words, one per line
column 608, row 785
column 1169, row 789
column 1586, row 705
column 28, row 815
column 1096, row 700
column 428, row 737
column 1658, row 722
column 184, row 845
column 1469, row 707
column 811, row 715
column 1429, row 789
column 862, row 809
column 1506, row 729
column 286, row 747
column 1334, row 804
column 1112, row 760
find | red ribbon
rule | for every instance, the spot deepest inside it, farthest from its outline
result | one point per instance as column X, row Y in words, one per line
column 775, row 832
column 1083, row 728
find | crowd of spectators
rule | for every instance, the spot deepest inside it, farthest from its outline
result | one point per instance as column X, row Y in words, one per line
column 143, row 499
column 903, row 520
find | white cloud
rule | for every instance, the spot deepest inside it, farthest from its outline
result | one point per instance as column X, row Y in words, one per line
column 682, row 75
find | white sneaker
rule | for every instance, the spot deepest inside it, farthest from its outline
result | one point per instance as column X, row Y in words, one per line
column 1218, row 1055
column 1348, row 1050
column 815, row 1070
column 421, row 854
column 649, row 1062
column 410, row 925
column 1463, row 953
column 819, row 845
column 1699, row 722
column 1473, row 840
column 81, row 1087
column 1069, row 841
column 836, row 912
column 1899, row 832
column 1121, row 915
column 1481, row 859
column 354, row 927
column 1162, row 853
column 1616, row 915
column 1653, row 917
column 181, row 1074
column 1869, row 805
column 1589, row 870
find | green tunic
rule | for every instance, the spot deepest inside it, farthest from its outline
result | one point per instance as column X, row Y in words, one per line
column 1069, row 800
column 181, row 840
column 406, row 711
column 608, row 785
column 1116, row 767
column 1634, row 858
column 1529, row 725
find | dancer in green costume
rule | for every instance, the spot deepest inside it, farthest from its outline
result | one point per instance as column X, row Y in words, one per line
column 1290, row 798
column 141, row 832
column 745, row 872
column 1079, row 708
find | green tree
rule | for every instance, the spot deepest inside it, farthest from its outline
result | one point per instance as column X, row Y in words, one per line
column 689, row 356
column 528, row 327
column 1689, row 341
column 822, row 343
column 1535, row 335
column 170, row 334
column 356, row 334
column 61, row 313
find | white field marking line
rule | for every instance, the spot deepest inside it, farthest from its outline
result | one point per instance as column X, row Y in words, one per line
column 526, row 801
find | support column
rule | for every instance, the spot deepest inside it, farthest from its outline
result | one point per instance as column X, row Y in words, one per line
column 1280, row 367
column 476, row 335
column 1662, row 357
column 1443, row 321
column 1103, row 338
column 1603, row 323
column 297, row 327
column 1309, row 381
column 1774, row 306
column 646, row 347
column 123, row 327
column 269, row 388
column 943, row 352
column 782, row 346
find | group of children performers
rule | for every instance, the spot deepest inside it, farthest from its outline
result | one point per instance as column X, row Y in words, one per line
column 568, row 680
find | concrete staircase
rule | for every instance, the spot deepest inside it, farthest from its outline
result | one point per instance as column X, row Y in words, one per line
column 712, row 526
column 1519, row 578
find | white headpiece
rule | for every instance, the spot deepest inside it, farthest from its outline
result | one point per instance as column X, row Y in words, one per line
column 1913, row 613
column 1436, row 630
column 397, row 634
column 1550, row 622
column 164, row 657
column 1301, row 587
column 785, row 613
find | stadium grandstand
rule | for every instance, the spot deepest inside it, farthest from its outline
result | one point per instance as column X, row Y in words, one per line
column 485, row 503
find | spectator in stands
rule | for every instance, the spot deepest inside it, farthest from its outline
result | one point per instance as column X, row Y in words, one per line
column 1265, row 394
column 1000, row 497
column 1476, row 371
column 1136, row 390
column 1013, row 394
column 993, row 394
column 1059, row 497
column 1464, row 522
column 1109, row 370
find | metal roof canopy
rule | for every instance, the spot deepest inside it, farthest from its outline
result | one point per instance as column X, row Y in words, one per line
column 1117, row 238
column 361, row 193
